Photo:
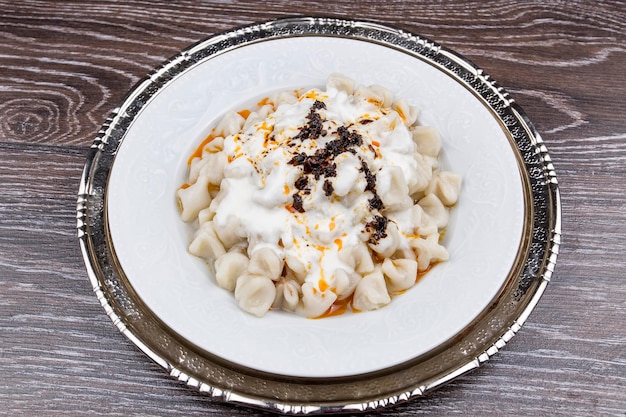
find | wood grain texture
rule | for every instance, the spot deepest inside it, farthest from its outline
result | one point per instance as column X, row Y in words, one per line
column 65, row 65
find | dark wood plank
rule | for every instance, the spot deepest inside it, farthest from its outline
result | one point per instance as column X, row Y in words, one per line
column 65, row 65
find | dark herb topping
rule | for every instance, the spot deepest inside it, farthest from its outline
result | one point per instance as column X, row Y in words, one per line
column 317, row 164
column 315, row 128
column 318, row 105
column 322, row 164
column 298, row 159
column 347, row 139
column 302, row 183
column 377, row 228
column 328, row 188
column 369, row 177
column 297, row 203
column 376, row 203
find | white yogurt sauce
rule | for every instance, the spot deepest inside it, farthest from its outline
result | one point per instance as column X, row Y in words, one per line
column 260, row 181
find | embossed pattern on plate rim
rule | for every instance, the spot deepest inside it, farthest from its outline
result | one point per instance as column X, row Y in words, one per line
column 475, row 345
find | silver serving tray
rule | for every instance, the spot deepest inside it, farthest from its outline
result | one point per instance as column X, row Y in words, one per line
column 230, row 382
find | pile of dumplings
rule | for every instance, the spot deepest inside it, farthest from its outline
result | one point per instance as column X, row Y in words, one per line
column 319, row 199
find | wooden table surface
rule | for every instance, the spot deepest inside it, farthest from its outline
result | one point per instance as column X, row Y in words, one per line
column 65, row 65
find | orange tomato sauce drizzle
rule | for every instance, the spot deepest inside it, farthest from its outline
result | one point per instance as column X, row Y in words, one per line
column 198, row 152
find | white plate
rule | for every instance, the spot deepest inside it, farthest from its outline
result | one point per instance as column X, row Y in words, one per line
column 489, row 237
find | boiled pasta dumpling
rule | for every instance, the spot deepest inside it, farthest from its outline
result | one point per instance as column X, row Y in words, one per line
column 314, row 302
column 206, row 244
column 265, row 262
column 371, row 292
column 194, row 198
column 229, row 267
column 399, row 273
column 255, row 294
